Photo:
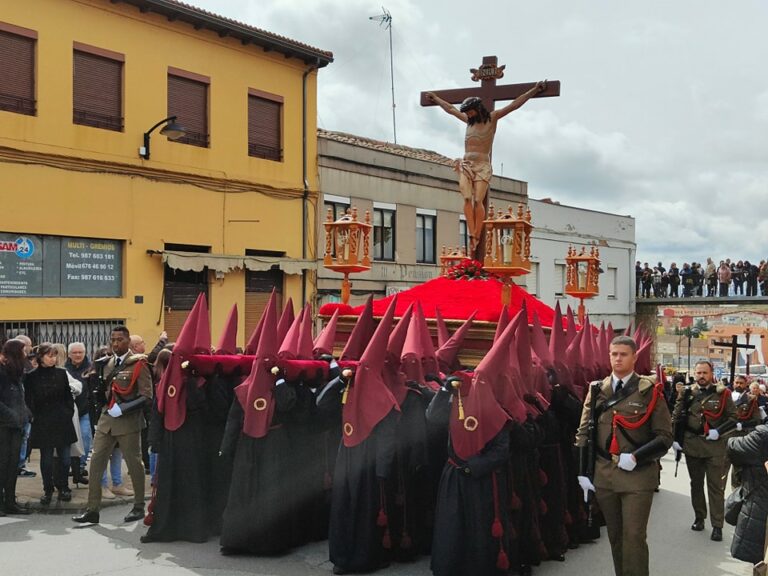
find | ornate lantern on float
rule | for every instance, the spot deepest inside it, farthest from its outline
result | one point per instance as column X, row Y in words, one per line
column 582, row 274
column 508, row 246
column 450, row 257
column 344, row 240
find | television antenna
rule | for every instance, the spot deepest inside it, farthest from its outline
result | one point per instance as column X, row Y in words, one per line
column 385, row 19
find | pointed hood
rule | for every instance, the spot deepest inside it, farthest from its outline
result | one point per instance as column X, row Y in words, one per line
column 442, row 329
column 480, row 418
column 503, row 322
column 289, row 347
column 228, row 340
column 495, row 373
column 523, row 344
column 305, row 347
column 539, row 342
column 570, row 332
column 253, row 341
column 286, row 321
column 393, row 376
column 369, row 400
column 418, row 356
column 194, row 338
column 325, row 341
column 447, row 354
column 588, row 358
column 628, row 329
column 361, row 333
column 558, row 343
column 255, row 394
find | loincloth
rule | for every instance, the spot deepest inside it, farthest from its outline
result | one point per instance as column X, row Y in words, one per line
column 473, row 170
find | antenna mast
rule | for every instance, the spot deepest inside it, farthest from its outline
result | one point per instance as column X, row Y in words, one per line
column 385, row 20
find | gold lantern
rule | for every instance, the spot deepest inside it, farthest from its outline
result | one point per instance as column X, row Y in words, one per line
column 344, row 240
column 450, row 257
column 582, row 275
column 508, row 245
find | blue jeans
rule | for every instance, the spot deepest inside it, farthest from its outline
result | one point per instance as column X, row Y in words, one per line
column 152, row 464
column 85, row 432
column 24, row 440
column 55, row 478
column 115, row 469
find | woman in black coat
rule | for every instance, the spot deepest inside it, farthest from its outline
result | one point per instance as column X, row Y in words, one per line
column 13, row 415
column 751, row 452
column 50, row 399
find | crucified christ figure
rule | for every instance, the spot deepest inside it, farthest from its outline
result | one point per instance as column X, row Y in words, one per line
column 475, row 168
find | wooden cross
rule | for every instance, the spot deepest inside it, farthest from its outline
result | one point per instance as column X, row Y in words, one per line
column 734, row 346
column 489, row 92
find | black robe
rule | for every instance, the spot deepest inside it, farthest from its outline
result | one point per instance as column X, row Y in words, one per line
column 258, row 518
column 409, row 488
column 463, row 544
column 355, row 538
column 181, row 501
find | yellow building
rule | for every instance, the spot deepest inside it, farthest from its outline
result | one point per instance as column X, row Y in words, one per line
column 102, row 223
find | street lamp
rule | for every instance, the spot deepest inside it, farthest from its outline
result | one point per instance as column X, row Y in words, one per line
column 171, row 129
column 691, row 333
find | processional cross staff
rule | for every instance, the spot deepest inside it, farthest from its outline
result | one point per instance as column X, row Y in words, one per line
column 734, row 346
column 477, row 110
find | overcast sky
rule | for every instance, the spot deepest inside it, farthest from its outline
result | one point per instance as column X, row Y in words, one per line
column 663, row 113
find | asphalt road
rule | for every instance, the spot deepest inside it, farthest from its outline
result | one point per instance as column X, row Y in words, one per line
column 51, row 544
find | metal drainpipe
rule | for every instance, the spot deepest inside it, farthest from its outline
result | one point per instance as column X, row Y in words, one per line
column 305, row 176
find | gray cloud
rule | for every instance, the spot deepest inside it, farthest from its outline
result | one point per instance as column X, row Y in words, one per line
column 663, row 111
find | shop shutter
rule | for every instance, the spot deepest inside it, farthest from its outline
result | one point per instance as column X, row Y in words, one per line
column 264, row 133
column 17, row 74
column 258, row 288
column 97, row 91
column 188, row 101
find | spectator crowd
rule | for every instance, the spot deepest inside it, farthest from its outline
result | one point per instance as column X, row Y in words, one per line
column 728, row 278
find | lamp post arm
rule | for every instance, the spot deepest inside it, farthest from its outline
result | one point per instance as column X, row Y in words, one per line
column 145, row 155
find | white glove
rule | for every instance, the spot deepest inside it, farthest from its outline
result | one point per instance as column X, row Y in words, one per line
column 586, row 485
column 627, row 462
column 115, row 411
column 713, row 434
column 739, row 426
column 279, row 382
column 676, row 446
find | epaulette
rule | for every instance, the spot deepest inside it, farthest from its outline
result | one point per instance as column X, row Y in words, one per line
column 720, row 388
column 645, row 383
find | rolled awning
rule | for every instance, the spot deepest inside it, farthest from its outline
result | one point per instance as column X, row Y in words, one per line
column 224, row 263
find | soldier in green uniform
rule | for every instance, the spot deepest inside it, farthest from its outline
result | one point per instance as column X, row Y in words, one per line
column 704, row 414
column 632, row 431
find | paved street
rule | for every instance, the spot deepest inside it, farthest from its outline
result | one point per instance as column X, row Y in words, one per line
column 52, row 544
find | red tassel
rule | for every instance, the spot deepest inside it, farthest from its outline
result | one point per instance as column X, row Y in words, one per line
column 568, row 518
column 386, row 541
column 543, row 479
column 502, row 562
column 706, row 427
column 512, row 532
column 615, row 445
column 514, row 502
column 382, row 519
column 543, row 508
column 496, row 529
column 149, row 519
column 405, row 541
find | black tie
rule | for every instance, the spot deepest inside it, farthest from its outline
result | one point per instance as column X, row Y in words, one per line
column 619, row 386
column 117, row 362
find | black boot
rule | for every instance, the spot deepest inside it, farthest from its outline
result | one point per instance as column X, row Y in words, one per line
column 65, row 494
column 77, row 473
column 46, row 498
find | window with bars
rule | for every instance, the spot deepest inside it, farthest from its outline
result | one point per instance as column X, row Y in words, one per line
column 188, row 101
column 383, row 234
column 17, row 72
column 97, row 91
column 425, row 238
column 265, row 127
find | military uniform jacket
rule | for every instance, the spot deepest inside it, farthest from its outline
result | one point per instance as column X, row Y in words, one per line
column 633, row 402
column 133, row 421
column 747, row 413
column 694, row 400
